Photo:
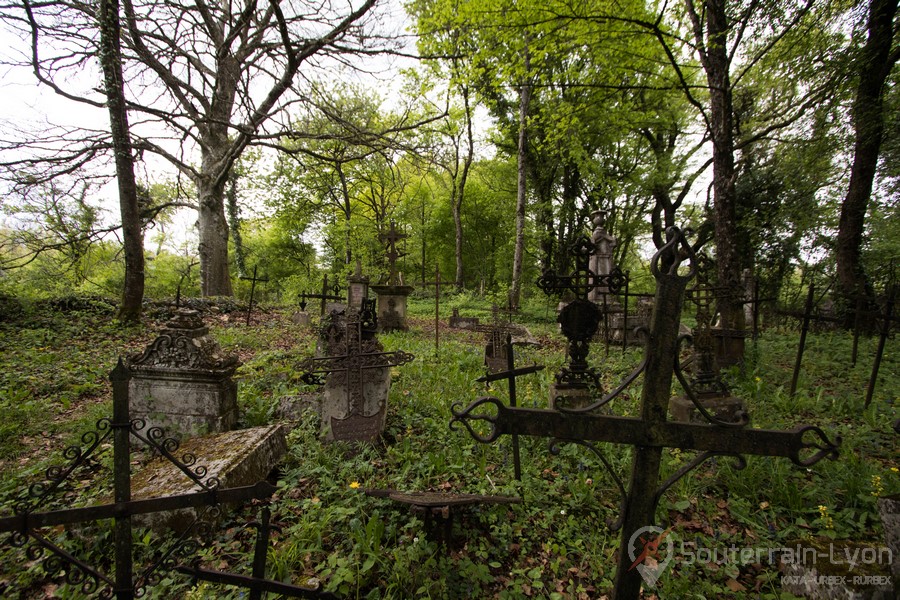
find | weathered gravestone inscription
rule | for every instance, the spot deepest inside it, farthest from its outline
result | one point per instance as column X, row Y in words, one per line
column 182, row 381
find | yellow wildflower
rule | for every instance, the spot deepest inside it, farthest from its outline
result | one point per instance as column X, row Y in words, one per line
column 354, row 485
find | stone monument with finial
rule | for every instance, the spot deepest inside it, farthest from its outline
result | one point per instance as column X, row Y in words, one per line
column 391, row 292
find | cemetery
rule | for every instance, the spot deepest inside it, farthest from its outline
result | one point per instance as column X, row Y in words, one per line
column 416, row 463
column 450, row 299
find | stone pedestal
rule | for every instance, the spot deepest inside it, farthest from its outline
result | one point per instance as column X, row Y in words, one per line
column 571, row 395
column 724, row 408
column 235, row 458
column 182, row 381
column 391, row 306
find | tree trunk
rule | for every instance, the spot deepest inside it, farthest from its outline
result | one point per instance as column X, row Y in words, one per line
column 215, row 279
column 521, row 196
column 868, row 121
column 234, row 222
column 132, row 233
column 728, row 260
column 457, row 206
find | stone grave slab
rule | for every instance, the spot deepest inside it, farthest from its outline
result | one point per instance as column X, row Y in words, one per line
column 236, row 458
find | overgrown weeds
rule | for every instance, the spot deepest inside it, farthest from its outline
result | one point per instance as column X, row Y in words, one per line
column 555, row 544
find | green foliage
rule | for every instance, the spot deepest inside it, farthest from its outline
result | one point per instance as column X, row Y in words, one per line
column 555, row 544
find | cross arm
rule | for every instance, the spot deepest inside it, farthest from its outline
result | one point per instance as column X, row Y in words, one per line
column 374, row 360
column 25, row 521
column 254, row 583
column 804, row 445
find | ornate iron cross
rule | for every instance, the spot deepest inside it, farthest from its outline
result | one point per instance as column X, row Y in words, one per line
column 325, row 295
column 496, row 334
column 580, row 318
column 652, row 431
column 391, row 237
column 362, row 354
column 706, row 381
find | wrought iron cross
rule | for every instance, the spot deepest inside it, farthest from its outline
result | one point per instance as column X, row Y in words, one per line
column 437, row 306
column 252, row 281
column 256, row 582
column 580, row 318
column 706, row 381
column 325, row 295
column 510, row 375
column 391, row 237
column 496, row 334
column 652, row 431
column 360, row 356
column 27, row 521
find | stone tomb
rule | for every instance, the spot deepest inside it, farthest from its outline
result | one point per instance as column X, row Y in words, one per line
column 234, row 458
column 182, row 381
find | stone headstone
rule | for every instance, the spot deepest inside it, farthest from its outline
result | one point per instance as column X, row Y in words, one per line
column 301, row 318
column 182, row 381
column 357, row 287
column 354, row 398
column 236, row 458
column 392, row 306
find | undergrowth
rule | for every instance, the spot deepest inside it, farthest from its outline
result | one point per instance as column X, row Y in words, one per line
column 555, row 543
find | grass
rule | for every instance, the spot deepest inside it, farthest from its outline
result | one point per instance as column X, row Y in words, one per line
column 555, row 544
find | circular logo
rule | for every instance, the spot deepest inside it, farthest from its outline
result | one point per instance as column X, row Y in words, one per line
column 650, row 550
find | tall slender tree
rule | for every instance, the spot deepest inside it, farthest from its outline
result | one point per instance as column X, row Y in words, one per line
column 132, row 233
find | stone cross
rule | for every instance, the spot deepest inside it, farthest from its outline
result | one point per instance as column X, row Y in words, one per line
column 252, row 281
column 363, row 364
column 651, row 431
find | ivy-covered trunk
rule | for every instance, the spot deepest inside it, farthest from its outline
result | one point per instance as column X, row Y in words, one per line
column 728, row 260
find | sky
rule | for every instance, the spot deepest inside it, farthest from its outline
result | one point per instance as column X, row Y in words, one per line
column 26, row 104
